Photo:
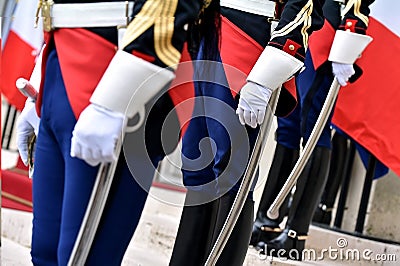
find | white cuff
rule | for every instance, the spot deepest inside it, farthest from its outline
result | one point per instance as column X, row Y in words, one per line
column 129, row 83
column 347, row 46
column 273, row 68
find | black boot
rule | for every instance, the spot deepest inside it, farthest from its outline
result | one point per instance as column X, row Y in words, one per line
column 200, row 227
column 264, row 228
column 305, row 200
column 195, row 233
column 235, row 250
column 323, row 213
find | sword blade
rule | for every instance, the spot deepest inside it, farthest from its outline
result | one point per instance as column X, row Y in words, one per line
column 245, row 186
column 94, row 210
column 273, row 211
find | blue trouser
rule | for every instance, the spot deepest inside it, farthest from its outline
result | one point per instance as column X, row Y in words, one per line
column 312, row 89
column 62, row 186
column 288, row 132
column 216, row 147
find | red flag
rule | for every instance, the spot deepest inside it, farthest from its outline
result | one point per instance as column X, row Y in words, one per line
column 21, row 48
column 369, row 110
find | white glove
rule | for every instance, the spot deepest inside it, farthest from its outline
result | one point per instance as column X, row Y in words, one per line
column 95, row 135
column 253, row 102
column 27, row 126
column 342, row 72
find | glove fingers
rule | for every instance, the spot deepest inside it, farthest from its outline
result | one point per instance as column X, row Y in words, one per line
column 93, row 156
column 247, row 117
column 253, row 120
column 22, row 145
column 342, row 72
column 27, row 126
column 76, row 150
column 240, row 114
column 253, row 98
column 92, row 162
column 89, row 156
column 108, row 154
column 23, row 151
column 97, row 140
column 250, row 118
column 96, row 157
column 260, row 116
column 341, row 81
column 36, row 127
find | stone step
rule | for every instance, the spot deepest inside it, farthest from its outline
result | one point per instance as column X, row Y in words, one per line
column 13, row 253
column 154, row 240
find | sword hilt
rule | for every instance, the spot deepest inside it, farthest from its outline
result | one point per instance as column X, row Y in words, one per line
column 26, row 88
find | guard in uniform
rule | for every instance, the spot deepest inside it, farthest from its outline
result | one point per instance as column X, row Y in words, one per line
column 216, row 146
column 89, row 79
column 312, row 86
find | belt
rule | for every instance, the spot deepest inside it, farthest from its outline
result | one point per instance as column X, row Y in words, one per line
column 259, row 7
column 102, row 14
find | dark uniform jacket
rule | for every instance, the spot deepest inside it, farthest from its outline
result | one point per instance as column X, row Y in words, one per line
column 159, row 29
column 161, row 40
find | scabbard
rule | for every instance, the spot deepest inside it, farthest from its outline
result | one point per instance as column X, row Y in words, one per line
column 273, row 211
column 247, row 181
column 94, row 210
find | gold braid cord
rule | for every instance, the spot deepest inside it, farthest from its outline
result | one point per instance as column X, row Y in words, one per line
column 206, row 3
column 302, row 18
column 159, row 14
column 356, row 4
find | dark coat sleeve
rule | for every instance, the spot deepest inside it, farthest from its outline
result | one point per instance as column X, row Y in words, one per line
column 298, row 20
column 355, row 16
